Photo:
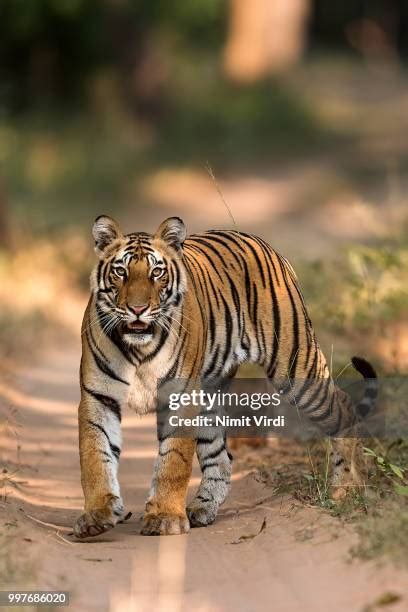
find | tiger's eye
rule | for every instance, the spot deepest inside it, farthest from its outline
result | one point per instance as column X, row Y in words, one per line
column 120, row 271
column 157, row 272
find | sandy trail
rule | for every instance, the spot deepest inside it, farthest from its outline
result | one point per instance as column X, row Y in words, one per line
column 300, row 562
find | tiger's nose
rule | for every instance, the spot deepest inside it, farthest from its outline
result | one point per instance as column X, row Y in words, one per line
column 138, row 310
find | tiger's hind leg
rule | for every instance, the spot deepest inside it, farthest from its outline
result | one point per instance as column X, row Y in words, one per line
column 216, row 465
column 349, row 468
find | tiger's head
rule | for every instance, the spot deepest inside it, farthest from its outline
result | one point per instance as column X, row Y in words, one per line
column 139, row 280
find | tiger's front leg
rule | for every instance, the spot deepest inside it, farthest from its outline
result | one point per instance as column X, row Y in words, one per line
column 166, row 507
column 99, row 447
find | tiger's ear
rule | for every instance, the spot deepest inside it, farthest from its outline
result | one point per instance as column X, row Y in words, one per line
column 105, row 230
column 172, row 231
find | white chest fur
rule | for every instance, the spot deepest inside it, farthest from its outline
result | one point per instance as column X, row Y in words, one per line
column 142, row 396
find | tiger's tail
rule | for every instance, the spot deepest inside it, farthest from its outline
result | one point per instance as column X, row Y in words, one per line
column 367, row 403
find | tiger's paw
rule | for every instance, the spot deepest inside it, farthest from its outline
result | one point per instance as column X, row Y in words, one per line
column 202, row 513
column 351, row 483
column 91, row 524
column 95, row 522
column 339, row 494
column 164, row 524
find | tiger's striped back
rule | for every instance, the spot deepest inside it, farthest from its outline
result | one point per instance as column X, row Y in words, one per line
column 254, row 312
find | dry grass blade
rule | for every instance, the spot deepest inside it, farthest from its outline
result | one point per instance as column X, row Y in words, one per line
column 218, row 188
column 45, row 524
column 61, row 537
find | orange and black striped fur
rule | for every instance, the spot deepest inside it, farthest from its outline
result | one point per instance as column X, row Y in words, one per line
column 163, row 306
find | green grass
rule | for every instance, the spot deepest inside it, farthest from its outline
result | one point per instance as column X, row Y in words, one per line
column 379, row 514
column 368, row 294
column 367, row 284
column 384, row 533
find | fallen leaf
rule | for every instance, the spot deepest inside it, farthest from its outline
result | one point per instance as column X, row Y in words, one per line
column 387, row 599
column 250, row 536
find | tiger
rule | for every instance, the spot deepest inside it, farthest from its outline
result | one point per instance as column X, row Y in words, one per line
column 164, row 306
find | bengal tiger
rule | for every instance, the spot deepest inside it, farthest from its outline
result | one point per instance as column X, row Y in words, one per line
column 162, row 306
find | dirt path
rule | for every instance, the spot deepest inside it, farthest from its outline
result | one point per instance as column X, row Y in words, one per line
column 299, row 562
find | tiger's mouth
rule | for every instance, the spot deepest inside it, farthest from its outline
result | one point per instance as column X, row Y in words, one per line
column 139, row 328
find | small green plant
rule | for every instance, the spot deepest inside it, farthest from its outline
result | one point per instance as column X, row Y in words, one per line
column 390, row 470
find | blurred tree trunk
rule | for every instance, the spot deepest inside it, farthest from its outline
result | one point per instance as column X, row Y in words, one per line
column 375, row 36
column 264, row 36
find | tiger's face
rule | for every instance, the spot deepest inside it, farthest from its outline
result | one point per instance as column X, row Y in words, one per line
column 140, row 279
